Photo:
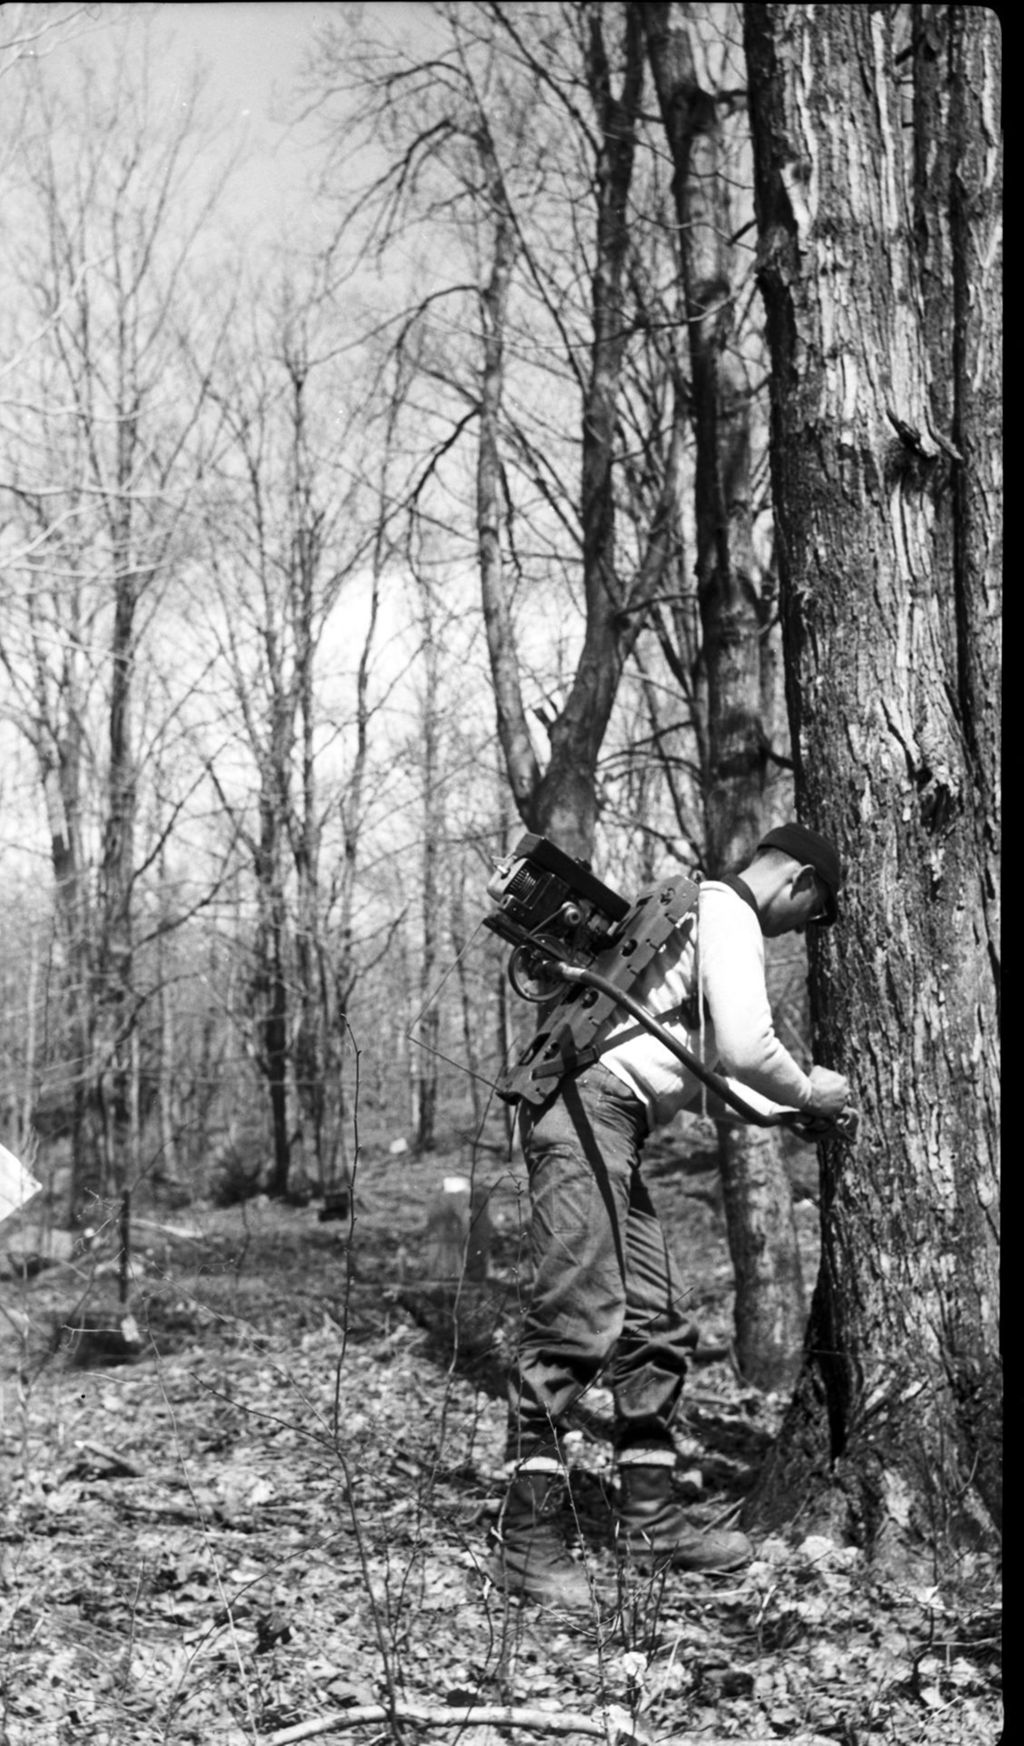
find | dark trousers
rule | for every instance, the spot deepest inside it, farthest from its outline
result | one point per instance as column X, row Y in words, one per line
column 605, row 1294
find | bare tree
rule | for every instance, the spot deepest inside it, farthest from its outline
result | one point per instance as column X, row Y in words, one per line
column 284, row 539
column 561, row 799
column 97, row 471
column 532, row 186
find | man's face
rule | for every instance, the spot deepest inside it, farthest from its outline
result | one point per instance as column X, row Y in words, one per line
column 803, row 901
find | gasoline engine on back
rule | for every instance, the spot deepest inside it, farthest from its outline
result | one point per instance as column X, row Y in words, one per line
column 578, row 950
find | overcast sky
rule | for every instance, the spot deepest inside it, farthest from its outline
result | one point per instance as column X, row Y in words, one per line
column 254, row 47
column 253, row 53
column 254, row 50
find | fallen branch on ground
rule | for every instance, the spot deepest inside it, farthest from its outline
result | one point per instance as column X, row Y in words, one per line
column 120, row 1463
column 613, row 1726
column 478, row 1715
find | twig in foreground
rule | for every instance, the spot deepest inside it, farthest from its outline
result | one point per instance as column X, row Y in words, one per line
column 479, row 1715
column 614, row 1725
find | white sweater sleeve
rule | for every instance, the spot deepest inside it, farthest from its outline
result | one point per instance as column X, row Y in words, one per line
column 731, row 952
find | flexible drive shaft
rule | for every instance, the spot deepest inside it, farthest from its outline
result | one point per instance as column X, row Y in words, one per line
column 843, row 1126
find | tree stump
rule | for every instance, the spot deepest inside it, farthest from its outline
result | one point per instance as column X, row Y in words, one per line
column 88, row 1339
column 459, row 1233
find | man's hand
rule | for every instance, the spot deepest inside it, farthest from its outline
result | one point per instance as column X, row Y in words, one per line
column 831, row 1092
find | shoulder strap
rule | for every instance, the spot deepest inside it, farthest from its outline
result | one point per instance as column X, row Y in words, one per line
column 741, row 890
column 573, row 1033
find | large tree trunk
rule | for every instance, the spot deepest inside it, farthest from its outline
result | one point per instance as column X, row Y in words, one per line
column 769, row 1298
column 770, row 1312
column 892, row 1437
column 957, row 210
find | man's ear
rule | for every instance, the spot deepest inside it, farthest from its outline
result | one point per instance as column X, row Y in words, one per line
column 804, row 880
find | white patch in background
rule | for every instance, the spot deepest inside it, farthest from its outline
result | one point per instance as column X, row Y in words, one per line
column 17, row 1185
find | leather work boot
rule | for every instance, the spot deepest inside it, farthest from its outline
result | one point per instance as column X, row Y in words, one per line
column 531, row 1558
column 652, row 1528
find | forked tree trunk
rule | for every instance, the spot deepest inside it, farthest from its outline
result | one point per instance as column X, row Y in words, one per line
column 884, row 410
column 560, row 800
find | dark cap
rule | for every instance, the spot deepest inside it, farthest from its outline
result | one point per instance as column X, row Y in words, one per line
column 811, row 850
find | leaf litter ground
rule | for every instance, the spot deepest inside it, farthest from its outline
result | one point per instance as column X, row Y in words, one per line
column 279, row 1514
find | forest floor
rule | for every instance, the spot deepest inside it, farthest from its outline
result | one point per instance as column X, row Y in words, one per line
column 272, row 1524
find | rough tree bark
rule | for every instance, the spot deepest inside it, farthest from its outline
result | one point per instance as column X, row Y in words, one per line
column 770, row 1308
column 885, row 439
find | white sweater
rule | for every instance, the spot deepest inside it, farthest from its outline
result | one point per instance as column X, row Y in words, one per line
column 738, row 1038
